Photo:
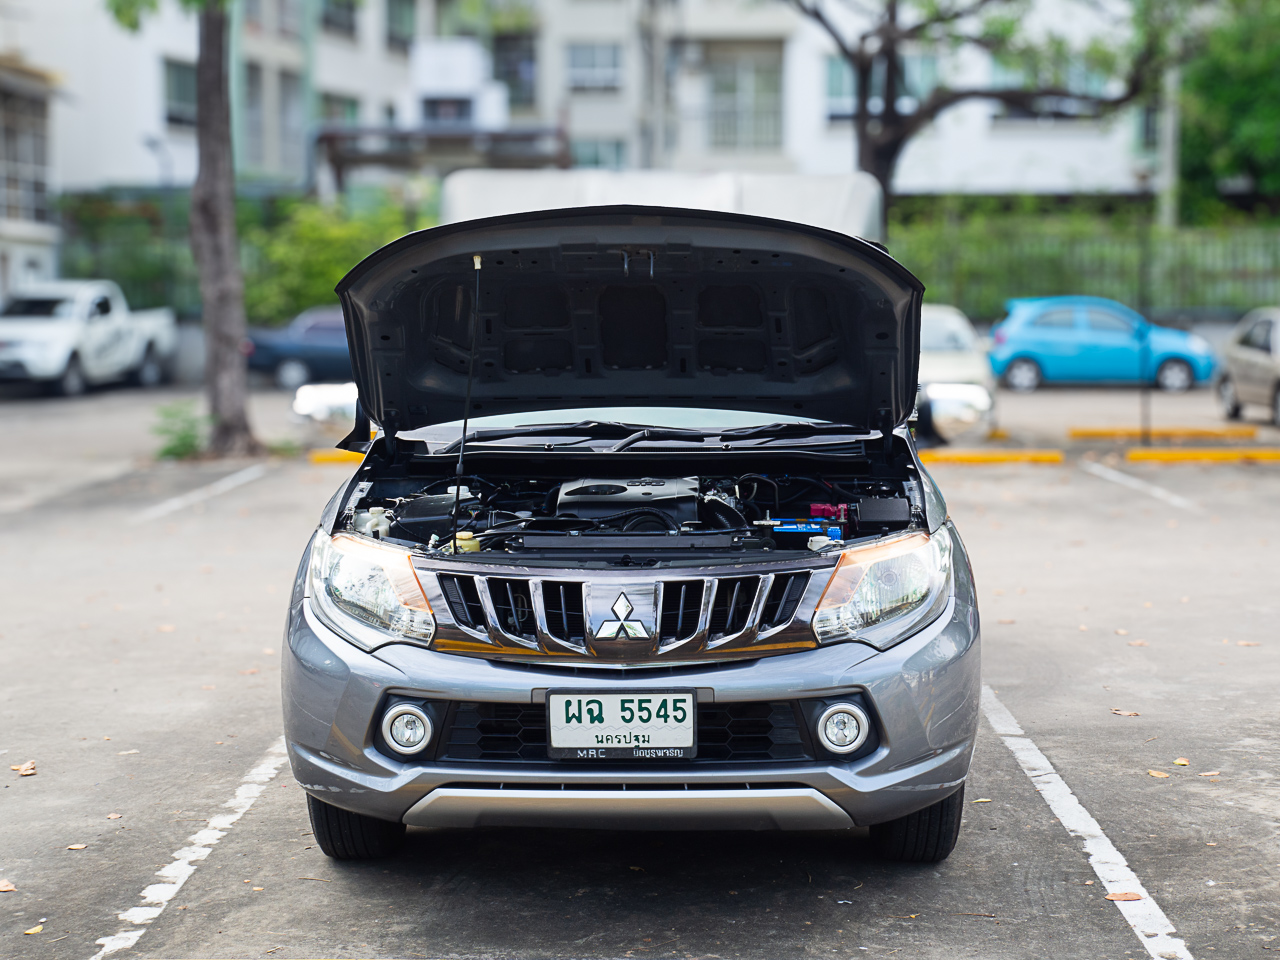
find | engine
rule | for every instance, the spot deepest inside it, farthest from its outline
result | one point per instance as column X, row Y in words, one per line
column 751, row 511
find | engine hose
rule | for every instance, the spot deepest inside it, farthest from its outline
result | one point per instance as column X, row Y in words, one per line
column 638, row 512
column 777, row 503
column 723, row 516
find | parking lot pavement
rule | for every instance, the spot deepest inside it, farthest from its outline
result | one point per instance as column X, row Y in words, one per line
column 140, row 665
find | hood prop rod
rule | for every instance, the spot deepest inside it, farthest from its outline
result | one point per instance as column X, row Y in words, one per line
column 466, row 410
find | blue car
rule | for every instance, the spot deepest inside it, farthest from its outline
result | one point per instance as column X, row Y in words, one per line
column 1092, row 340
column 313, row 347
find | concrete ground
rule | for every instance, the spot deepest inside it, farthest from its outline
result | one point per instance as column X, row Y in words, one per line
column 140, row 672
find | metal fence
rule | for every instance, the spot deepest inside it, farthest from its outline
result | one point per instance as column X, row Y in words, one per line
column 978, row 268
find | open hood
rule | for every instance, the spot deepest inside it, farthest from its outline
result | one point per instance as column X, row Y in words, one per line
column 628, row 305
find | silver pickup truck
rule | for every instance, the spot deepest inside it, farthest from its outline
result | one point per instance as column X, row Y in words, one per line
column 71, row 334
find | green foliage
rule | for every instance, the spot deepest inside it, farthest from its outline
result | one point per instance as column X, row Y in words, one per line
column 484, row 18
column 182, row 430
column 1231, row 109
column 297, row 263
column 129, row 13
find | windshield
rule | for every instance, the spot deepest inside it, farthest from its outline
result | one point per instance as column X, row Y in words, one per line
column 946, row 331
column 37, row 307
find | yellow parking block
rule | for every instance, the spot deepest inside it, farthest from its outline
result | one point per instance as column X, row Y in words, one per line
column 989, row 455
column 1164, row 433
column 1172, row 454
column 334, row 456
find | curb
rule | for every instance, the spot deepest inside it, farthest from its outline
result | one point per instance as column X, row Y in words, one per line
column 1164, row 433
column 991, row 456
column 333, row 456
column 1175, row 454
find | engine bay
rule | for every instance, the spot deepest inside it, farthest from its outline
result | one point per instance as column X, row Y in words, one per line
column 643, row 516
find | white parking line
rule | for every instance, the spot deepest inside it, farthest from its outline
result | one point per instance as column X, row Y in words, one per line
column 1142, row 486
column 173, row 504
column 1143, row 915
column 186, row 858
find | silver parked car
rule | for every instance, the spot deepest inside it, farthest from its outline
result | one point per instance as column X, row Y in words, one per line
column 1251, row 364
column 956, row 399
column 643, row 542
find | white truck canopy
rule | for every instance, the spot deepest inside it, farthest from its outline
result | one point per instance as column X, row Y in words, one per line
column 846, row 203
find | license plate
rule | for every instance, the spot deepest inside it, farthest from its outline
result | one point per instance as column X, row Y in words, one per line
column 607, row 725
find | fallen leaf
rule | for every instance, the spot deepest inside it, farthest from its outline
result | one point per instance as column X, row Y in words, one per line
column 641, row 869
column 27, row 769
column 1146, row 603
column 1088, row 883
column 1211, row 844
column 208, row 686
column 251, row 670
column 1211, row 773
column 1121, row 632
column 257, row 888
column 1125, row 713
column 1248, row 643
column 125, row 753
column 1083, row 627
column 166, row 628
column 77, row 846
column 1182, row 762
column 6, row 886
column 1124, row 896
column 982, row 800
column 1158, row 773
column 34, row 930
column 321, row 879
column 113, row 816
column 1139, row 643
column 1007, row 622
column 267, row 651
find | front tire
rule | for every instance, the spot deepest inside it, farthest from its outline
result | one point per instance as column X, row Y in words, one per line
column 926, row 836
column 344, row 835
column 1228, row 399
column 291, row 374
column 150, row 372
column 71, row 383
column 1175, row 376
column 1023, row 375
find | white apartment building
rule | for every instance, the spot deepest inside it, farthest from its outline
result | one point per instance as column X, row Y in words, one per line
column 752, row 85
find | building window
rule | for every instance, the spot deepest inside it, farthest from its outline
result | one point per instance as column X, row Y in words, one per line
column 254, row 150
column 253, row 14
column 917, row 78
column 446, row 111
column 339, row 111
column 402, row 24
column 339, row 16
column 24, row 163
column 514, row 64
column 292, row 123
column 180, row 93
column 609, row 154
column 746, row 96
column 595, row 66
column 289, row 15
column 1072, row 75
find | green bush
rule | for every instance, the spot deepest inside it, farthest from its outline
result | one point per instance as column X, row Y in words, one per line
column 182, row 430
column 296, row 263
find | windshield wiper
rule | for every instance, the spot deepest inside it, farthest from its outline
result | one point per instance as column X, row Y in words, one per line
column 791, row 431
column 588, row 429
column 658, row 433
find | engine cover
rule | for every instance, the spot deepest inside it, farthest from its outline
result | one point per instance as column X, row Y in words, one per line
column 591, row 499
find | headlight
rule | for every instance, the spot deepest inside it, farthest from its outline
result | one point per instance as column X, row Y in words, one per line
column 959, row 410
column 367, row 591
column 879, row 594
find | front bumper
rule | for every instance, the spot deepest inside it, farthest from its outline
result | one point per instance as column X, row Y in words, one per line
column 922, row 695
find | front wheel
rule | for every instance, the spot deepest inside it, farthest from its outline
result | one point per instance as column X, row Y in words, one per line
column 926, row 836
column 291, row 374
column 71, row 383
column 1023, row 375
column 344, row 835
column 1175, row 376
column 150, row 372
column 1228, row 399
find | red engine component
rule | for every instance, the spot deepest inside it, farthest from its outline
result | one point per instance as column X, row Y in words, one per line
column 830, row 511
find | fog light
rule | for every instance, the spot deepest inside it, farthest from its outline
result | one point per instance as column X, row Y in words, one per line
column 843, row 728
column 406, row 728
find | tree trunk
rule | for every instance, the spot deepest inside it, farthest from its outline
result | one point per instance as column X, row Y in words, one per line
column 215, row 247
column 878, row 156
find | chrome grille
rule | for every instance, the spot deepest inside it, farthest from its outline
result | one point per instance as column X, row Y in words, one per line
column 681, row 610
column 566, row 619
column 731, row 608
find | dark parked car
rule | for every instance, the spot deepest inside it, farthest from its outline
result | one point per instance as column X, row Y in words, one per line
column 313, row 347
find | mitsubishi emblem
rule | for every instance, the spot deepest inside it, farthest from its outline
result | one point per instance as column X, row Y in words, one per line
column 622, row 628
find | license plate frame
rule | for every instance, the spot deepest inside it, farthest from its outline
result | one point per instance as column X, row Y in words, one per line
column 613, row 697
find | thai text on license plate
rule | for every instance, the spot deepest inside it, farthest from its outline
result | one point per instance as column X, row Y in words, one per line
column 608, row 725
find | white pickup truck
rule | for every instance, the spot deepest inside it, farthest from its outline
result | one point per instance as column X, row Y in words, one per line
column 70, row 334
